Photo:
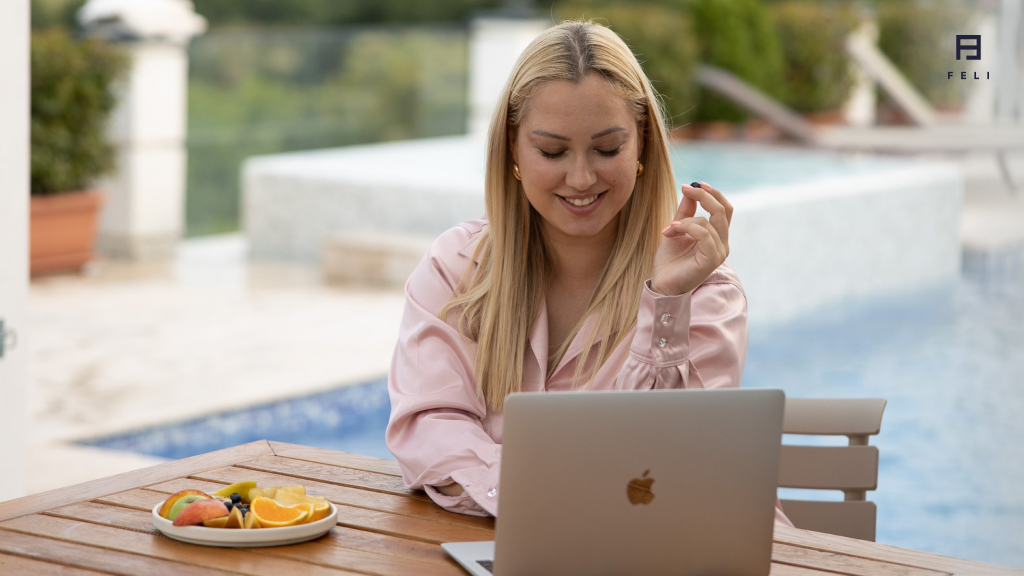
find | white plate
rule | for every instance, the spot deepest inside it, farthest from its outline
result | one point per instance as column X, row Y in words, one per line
column 240, row 538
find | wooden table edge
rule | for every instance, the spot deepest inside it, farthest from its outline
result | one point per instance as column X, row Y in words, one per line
column 135, row 479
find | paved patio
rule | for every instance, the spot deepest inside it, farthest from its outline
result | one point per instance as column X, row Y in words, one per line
column 122, row 346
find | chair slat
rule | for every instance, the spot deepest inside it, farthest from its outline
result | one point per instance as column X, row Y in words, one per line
column 829, row 467
column 833, row 416
column 850, row 519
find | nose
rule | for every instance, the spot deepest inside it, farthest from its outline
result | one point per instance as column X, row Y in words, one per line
column 581, row 175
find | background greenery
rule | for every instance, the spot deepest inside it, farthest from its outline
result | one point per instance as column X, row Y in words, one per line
column 273, row 75
column 71, row 101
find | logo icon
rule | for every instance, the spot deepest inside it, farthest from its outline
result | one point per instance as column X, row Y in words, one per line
column 961, row 46
column 639, row 489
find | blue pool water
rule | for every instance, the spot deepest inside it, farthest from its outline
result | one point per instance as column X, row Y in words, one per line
column 950, row 361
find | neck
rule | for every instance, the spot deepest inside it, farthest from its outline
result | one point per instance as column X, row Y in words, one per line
column 579, row 260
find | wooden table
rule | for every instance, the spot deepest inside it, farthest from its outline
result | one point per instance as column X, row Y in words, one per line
column 383, row 528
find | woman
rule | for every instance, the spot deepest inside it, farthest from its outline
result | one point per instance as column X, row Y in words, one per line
column 585, row 275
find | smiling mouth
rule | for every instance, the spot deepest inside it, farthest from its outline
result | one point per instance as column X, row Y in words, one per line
column 582, row 201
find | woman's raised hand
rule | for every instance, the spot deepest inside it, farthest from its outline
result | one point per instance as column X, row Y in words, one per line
column 693, row 247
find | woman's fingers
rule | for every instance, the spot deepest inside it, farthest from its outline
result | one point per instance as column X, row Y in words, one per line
column 700, row 230
column 721, row 199
column 718, row 215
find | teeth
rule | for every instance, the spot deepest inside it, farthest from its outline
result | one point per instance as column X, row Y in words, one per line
column 583, row 202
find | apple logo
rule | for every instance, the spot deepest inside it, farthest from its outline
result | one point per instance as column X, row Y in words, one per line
column 639, row 489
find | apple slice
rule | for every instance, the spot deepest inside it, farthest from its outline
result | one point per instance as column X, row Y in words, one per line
column 200, row 511
column 251, row 521
column 235, row 518
column 165, row 510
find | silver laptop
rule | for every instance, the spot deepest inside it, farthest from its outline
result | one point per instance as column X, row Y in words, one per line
column 639, row 482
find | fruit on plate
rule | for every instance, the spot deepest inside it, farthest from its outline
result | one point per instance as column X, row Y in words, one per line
column 271, row 514
column 240, row 488
column 235, row 519
column 200, row 511
column 183, row 503
column 165, row 510
column 320, row 506
column 216, row 522
column 251, row 522
column 274, row 491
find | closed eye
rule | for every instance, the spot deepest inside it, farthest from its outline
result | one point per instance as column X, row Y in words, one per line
column 608, row 153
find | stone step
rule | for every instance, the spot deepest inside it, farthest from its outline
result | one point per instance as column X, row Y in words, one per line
column 372, row 259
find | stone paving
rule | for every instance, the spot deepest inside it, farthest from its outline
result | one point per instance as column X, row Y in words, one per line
column 123, row 346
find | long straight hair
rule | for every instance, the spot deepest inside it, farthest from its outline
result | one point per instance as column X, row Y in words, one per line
column 500, row 300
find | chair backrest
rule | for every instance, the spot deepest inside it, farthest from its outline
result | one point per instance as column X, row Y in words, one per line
column 853, row 469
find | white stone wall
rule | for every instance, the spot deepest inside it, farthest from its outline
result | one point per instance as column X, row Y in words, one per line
column 14, row 248
column 795, row 247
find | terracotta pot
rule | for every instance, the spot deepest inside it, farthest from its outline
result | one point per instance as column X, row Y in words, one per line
column 826, row 118
column 63, row 230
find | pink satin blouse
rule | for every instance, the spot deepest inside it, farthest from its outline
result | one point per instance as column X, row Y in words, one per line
column 442, row 432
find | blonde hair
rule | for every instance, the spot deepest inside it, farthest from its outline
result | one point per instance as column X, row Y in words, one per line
column 500, row 300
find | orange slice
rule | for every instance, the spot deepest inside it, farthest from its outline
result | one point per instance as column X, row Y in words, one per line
column 320, row 506
column 270, row 514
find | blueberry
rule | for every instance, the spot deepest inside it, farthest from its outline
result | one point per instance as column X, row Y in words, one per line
column 236, row 498
column 230, row 505
column 695, row 184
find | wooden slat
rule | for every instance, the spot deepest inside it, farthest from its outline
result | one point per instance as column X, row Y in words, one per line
column 232, row 560
column 129, row 480
column 335, row 458
column 139, row 520
column 886, row 553
column 853, row 519
column 179, row 484
column 139, row 499
column 117, row 516
column 11, row 565
column 829, row 467
column 843, row 563
column 833, row 416
column 359, row 560
column 331, row 475
column 353, row 496
column 103, row 560
column 410, row 527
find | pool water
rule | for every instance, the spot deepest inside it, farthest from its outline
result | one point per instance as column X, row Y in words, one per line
column 950, row 361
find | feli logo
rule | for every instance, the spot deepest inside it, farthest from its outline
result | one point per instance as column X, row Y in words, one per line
column 971, row 50
column 639, row 489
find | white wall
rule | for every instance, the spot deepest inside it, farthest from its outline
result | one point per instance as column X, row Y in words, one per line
column 14, row 185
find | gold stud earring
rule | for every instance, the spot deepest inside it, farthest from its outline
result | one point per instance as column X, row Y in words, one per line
column 515, row 171
column 639, row 169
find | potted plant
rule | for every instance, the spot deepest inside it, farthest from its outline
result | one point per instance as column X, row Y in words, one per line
column 71, row 101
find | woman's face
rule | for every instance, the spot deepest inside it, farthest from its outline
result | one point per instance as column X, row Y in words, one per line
column 577, row 141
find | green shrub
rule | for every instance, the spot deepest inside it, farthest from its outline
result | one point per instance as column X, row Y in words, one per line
column 818, row 73
column 916, row 35
column 662, row 40
column 737, row 35
column 71, row 100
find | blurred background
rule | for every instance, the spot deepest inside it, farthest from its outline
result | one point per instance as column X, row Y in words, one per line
column 264, row 175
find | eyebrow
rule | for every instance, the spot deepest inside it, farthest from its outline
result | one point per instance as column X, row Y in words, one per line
column 604, row 132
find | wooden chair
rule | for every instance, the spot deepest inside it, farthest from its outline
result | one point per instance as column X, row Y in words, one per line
column 852, row 469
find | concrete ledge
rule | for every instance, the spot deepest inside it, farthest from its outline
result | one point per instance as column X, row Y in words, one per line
column 372, row 259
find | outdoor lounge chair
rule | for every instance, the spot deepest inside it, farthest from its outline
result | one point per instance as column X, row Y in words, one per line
column 852, row 468
column 932, row 132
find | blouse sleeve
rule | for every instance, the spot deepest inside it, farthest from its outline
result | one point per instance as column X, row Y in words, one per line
column 692, row 340
column 435, row 428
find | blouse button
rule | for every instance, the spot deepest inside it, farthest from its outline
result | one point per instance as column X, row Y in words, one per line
column 492, row 493
column 665, row 317
column 662, row 343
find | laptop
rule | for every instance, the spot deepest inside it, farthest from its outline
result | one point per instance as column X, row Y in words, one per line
column 635, row 482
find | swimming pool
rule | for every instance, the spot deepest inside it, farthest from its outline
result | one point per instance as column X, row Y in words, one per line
column 824, row 225
column 948, row 359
